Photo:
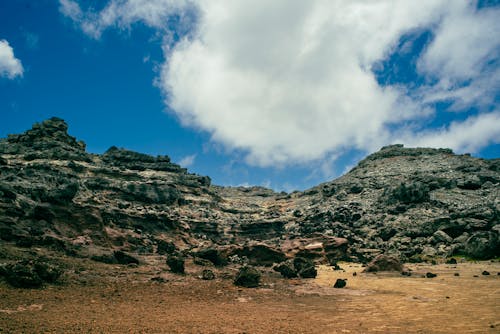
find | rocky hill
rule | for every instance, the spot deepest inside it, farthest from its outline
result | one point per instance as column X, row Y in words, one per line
column 415, row 203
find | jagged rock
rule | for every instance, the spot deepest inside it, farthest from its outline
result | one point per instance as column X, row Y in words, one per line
column 247, row 277
column 176, row 263
column 401, row 201
column 384, row 263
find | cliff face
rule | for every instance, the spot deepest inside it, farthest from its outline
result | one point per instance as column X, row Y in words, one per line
column 413, row 203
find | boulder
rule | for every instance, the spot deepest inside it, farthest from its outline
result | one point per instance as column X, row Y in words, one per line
column 207, row 275
column 304, row 267
column 286, row 269
column 483, row 245
column 340, row 283
column 247, row 277
column 260, row 254
column 124, row 258
column 164, row 247
column 211, row 254
column 384, row 263
column 176, row 263
column 31, row 274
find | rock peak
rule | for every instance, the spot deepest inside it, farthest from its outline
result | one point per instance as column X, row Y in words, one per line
column 49, row 135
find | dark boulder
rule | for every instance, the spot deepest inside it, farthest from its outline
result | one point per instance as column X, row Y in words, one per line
column 286, row 269
column 304, row 267
column 340, row 283
column 176, row 263
column 31, row 274
column 430, row 275
column 211, row 254
column 165, row 247
column 124, row 258
column 247, row 277
column 260, row 254
column 384, row 263
column 483, row 245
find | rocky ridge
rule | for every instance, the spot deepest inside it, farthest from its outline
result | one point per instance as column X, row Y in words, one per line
column 412, row 203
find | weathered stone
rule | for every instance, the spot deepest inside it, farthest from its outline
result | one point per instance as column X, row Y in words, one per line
column 176, row 263
column 248, row 277
column 286, row 269
column 384, row 263
column 207, row 275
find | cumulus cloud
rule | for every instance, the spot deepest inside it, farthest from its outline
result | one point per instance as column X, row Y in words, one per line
column 10, row 66
column 291, row 81
column 187, row 160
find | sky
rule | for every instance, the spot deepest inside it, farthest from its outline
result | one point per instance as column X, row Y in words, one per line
column 284, row 94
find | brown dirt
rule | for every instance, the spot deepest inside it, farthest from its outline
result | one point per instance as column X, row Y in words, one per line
column 371, row 303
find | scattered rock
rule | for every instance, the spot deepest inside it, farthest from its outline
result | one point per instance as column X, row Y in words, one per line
column 430, row 275
column 485, row 273
column 207, row 275
column 159, row 279
column 456, row 274
column 248, row 277
column 340, row 283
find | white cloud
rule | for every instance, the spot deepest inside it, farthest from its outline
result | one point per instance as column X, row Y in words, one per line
column 10, row 66
column 187, row 160
column 466, row 136
column 291, row 81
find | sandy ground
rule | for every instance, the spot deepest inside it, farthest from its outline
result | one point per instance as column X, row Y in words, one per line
column 370, row 303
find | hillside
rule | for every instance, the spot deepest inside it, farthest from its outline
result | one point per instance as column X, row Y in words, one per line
column 416, row 203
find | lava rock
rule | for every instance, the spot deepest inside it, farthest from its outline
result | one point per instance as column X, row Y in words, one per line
column 165, row 247
column 207, row 275
column 124, row 258
column 212, row 255
column 31, row 274
column 248, row 277
column 286, row 269
column 176, row 263
column 384, row 263
column 340, row 283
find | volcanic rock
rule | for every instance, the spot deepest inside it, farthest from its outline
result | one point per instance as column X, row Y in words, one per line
column 384, row 263
column 248, row 277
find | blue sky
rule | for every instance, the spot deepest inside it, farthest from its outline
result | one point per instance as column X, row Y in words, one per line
column 283, row 94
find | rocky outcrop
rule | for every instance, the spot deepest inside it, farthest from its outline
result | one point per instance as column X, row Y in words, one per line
column 410, row 203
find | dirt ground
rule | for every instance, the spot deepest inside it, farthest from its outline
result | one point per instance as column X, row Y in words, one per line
column 370, row 303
